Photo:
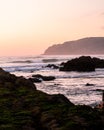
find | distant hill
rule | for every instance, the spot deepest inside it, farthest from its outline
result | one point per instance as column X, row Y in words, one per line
column 90, row 45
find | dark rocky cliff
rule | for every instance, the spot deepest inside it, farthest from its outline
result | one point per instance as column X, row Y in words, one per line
column 91, row 45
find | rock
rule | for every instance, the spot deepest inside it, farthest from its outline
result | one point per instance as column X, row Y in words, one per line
column 99, row 63
column 88, row 84
column 99, row 90
column 44, row 78
column 52, row 66
column 35, row 80
column 7, row 78
column 59, row 98
column 21, row 81
column 48, row 78
column 62, row 64
column 81, row 64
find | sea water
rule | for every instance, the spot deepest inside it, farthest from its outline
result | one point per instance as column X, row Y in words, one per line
column 71, row 84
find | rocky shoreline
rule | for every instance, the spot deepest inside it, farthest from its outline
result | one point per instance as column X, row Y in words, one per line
column 23, row 107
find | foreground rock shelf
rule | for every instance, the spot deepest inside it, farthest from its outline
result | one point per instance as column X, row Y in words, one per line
column 23, row 107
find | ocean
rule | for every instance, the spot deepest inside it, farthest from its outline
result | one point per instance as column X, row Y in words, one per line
column 71, row 84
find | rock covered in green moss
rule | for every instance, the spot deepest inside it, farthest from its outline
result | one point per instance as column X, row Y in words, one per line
column 12, row 81
column 22, row 107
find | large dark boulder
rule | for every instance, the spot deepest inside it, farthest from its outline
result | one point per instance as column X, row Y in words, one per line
column 81, row 64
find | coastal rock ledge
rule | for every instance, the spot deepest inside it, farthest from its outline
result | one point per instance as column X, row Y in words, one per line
column 82, row 64
column 23, row 107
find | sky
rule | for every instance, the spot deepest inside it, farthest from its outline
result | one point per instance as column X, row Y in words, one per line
column 28, row 27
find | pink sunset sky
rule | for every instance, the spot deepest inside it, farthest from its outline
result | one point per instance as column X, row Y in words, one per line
column 28, row 27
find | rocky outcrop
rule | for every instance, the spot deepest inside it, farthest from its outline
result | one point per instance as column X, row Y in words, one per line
column 12, row 81
column 99, row 63
column 22, row 107
column 43, row 78
column 85, row 46
column 84, row 64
